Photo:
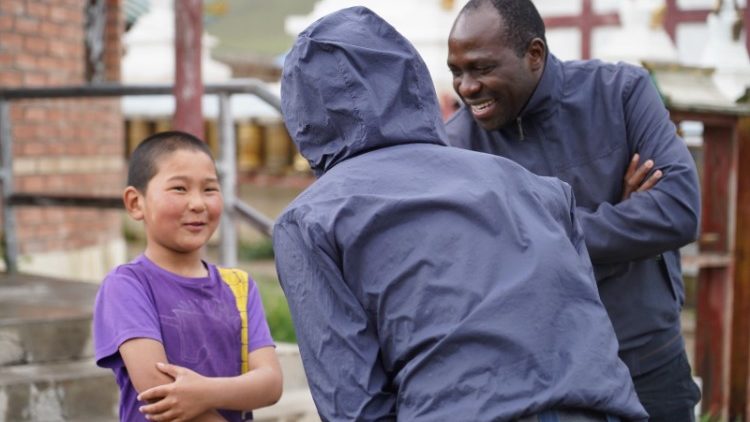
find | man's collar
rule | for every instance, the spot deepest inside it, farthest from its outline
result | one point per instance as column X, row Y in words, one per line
column 548, row 89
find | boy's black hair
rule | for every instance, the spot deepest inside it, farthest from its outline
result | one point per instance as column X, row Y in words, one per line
column 143, row 163
column 522, row 21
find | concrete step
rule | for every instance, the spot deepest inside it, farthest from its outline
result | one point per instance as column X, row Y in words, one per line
column 44, row 320
column 294, row 406
column 65, row 391
column 40, row 341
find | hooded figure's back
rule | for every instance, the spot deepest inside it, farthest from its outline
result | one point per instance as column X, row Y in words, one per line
column 427, row 282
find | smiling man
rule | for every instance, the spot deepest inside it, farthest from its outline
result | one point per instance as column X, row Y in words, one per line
column 589, row 123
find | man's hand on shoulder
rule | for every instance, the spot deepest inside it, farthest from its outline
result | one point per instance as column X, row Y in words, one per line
column 637, row 178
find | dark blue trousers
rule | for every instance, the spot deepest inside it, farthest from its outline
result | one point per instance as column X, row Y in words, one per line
column 669, row 393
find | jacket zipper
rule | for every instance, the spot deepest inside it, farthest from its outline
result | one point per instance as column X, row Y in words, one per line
column 520, row 128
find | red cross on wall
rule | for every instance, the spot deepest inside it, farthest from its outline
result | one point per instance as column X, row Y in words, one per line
column 588, row 20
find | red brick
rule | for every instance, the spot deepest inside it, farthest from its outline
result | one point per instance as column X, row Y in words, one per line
column 34, row 79
column 65, row 132
column 47, row 231
column 74, row 16
column 50, row 30
column 10, row 78
column 16, row 110
column 48, row 133
column 58, row 47
column 7, row 23
column 25, row 61
column 46, row 62
column 35, row 44
column 35, row 114
column 54, row 215
column 31, row 149
column 6, row 59
column 11, row 42
column 26, row 26
column 23, row 132
column 72, row 33
column 29, row 215
column 57, row 14
column 13, row 7
column 37, row 9
column 31, row 183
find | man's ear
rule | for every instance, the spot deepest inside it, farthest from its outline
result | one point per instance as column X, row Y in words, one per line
column 133, row 201
column 536, row 53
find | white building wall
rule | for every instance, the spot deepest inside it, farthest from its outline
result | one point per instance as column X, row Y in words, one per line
column 426, row 23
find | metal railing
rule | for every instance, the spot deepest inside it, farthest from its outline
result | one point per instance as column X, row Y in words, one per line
column 234, row 210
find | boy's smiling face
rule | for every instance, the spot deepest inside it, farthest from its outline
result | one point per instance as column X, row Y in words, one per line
column 182, row 205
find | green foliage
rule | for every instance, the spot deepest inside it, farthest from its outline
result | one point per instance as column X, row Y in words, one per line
column 255, row 251
column 277, row 310
column 709, row 418
column 255, row 28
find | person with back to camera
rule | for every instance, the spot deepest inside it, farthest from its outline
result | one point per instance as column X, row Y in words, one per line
column 421, row 289
column 185, row 339
column 591, row 124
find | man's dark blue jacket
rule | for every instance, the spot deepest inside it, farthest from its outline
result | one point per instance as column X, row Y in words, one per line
column 583, row 123
column 426, row 282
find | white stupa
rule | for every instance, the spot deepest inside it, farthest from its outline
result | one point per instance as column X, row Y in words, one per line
column 639, row 38
column 725, row 53
column 149, row 49
column 150, row 59
column 426, row 24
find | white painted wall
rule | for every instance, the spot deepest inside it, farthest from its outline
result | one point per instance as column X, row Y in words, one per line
column 427, row 24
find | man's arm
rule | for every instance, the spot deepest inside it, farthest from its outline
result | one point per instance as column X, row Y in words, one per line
column 656, row 220
column 337, row 340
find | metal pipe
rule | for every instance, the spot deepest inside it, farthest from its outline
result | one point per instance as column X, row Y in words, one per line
column 236, row 86
column 10, row 238
column 227, row 174
column 253, row 217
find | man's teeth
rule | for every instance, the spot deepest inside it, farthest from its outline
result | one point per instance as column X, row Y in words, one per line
column 482, row 106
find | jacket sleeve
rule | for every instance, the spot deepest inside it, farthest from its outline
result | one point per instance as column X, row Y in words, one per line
column 337, row 340
column 658, row 220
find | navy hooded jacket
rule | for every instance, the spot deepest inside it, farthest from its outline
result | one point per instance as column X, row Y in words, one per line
column 583, row 123
column 427, row 282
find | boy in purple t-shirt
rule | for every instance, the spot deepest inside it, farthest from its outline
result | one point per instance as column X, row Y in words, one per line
column 185, row 339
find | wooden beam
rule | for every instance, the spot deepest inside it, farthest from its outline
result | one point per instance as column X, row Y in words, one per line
column 714, row 284
column 188, row 90
column 713, row 329
column 740, row 348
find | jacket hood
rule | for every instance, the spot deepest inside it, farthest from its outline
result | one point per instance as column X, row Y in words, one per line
column 352, row 84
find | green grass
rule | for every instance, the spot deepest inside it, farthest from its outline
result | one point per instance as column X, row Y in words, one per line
column 251, row 251
column 277, row 310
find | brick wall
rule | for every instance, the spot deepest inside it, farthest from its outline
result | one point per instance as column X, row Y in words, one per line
column 70, row 145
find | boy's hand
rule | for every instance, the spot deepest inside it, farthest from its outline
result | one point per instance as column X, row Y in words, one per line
column 181, row 400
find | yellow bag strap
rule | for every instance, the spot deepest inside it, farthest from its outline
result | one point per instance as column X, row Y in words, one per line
column 237, row 280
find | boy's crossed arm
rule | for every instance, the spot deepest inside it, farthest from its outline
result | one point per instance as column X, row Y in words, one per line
column 176, row 393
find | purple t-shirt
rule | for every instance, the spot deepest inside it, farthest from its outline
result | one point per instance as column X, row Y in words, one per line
column 196, row 319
